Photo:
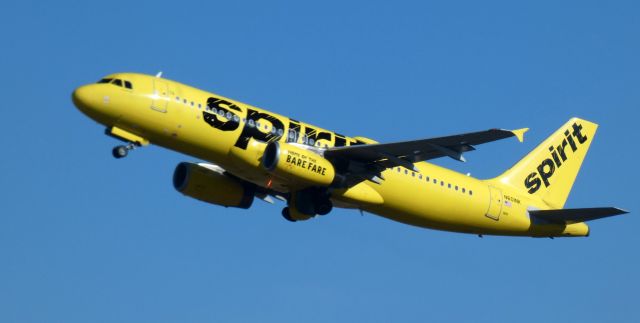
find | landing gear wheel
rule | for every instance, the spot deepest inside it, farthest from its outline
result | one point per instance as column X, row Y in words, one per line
column 120, row 152
column 287, row 215
column 324, row 208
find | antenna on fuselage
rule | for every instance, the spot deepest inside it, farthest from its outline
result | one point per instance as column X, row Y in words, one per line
column 159, row 75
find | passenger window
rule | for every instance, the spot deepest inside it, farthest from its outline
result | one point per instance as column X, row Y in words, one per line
column 470, row 192
column 463, row 190
column 406, row 172
column 199, row 106
column 427, row 178
column 117, row 82
column 419, row 176
column 105, row 81
column 413, row 174
column 456, row 187
column 435, row 181
column 192, row 104
column 178, row 98
column 184, row 101
column 441, row 183
column 128, row 85
column 449, row 185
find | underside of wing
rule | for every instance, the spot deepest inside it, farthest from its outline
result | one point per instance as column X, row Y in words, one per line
column 423, row 149
column 370, row 159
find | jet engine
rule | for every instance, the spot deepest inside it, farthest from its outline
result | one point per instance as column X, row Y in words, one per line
column 297, row 166
column 209, row 183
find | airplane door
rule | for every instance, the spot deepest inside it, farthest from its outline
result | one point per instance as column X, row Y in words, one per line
column 495, row 203
column 160, row 95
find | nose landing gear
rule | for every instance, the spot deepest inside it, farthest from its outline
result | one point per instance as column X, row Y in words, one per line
column 122, row 151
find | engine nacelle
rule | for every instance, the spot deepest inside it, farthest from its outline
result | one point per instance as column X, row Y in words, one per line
column 297, row 165
column 209, row 183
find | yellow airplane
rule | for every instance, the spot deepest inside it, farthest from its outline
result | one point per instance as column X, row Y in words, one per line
column 251, row 152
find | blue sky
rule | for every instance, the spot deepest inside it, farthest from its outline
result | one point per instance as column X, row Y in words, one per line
column 86, row 238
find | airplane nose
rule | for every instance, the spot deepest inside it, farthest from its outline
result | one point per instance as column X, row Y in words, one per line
column 80, row 97
column 91, row 100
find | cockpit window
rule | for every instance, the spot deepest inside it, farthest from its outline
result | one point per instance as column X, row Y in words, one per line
column 117, row 82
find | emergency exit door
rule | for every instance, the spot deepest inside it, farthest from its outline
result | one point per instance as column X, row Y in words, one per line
column 160, row 98
column 495, row 203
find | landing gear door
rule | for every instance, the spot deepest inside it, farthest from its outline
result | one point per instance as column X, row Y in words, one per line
column 495, row 203
column 160, row 98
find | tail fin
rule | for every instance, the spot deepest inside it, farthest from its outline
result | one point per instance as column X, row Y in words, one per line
column 549, row 171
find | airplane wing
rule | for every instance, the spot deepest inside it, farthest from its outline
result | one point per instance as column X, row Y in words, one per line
column 568, row 216
column 377, row 157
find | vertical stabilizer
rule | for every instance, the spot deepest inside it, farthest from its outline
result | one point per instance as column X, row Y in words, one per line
column 548, row 172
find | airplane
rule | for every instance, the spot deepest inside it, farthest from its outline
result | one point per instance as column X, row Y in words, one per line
column 250, row 153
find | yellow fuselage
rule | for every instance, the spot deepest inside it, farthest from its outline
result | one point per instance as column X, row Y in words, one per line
column 179, row 117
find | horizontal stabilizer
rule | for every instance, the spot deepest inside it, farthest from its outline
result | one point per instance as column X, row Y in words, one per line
column 568, row 216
